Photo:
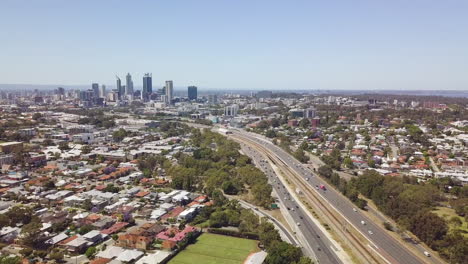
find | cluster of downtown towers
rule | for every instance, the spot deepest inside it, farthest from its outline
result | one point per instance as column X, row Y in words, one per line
column 126, row 92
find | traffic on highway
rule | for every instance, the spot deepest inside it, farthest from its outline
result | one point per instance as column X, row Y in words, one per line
column 386, row 246
column 313, row 238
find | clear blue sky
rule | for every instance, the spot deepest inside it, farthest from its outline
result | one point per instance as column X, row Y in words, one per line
column 349, row 44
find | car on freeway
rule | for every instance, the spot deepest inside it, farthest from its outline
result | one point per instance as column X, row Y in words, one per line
column 363, row 223
column 370, row 232
column 427, row 254
column 354, row 209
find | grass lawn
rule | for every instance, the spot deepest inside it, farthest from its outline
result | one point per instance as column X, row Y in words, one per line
column 215, row 249
column 447, row 213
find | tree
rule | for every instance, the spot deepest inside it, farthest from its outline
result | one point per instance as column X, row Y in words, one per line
column 119, row 135
column 85, row 149
column 229, row 188
column 37, row 116
column 270, row 133
column 26, row 252
column 85, row 229
column 325, row 171
column 6, row 259
column 56, row 255
column 305, row 260
column 63, row 146
column 4, row 221
column 304, row 123
column 90, row 252
column 429, row 227
column 348, row 163
column 281, row 252
column 267, row 233
column 31, row 233
column 300, row 155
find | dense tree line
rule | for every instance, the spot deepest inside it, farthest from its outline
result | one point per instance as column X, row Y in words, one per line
column 217, row 164
column 410, row 203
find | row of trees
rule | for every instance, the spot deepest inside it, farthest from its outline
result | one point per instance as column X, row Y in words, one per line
column 229, row 213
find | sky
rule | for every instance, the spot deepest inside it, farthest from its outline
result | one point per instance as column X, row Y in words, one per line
column 251, row 44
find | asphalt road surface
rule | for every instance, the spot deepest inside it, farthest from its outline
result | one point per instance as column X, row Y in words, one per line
column 382, row 243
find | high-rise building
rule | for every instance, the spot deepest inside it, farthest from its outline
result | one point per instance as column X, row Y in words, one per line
column 231, row 110
column 169, row 92
column 147, row 86
column 310, row 112
column 129, row 86
column 119, row 87
column 212, row 99
column 60, row 91
column 102, row 91
column 192, row 92
column 95, row 88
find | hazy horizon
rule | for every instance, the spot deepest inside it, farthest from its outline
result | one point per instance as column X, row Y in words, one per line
column 266, row 44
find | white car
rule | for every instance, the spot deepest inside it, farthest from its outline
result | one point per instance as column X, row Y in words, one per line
column 298, row 224
column 354, row 209
column 427, row 254
column 370, row 232
column 363, row 223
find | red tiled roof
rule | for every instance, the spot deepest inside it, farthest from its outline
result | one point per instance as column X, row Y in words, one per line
column 100, row 261
column 114, row 228
column 174, row 234
column 142, row 194
column 63, row 242
column 173, row 213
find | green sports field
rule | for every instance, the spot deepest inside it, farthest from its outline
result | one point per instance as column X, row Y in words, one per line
column 215, row 249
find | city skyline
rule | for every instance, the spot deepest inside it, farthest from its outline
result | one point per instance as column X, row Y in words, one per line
column 276, row 45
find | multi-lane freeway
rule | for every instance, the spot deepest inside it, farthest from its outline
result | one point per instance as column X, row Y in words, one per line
column 314, row 242
column 389, row 249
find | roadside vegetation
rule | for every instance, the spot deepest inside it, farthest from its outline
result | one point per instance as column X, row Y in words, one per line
column 411, row 205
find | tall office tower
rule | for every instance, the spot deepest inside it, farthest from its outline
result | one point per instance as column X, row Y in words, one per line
column 231, row 110
column 60, row 91
column 102, row 91
column 310, row 112
column 147, row 86
column 212, row 99
column 95, row 88
column 169, row 92
column 119, row 87
column 192, row 92
column 129, row 90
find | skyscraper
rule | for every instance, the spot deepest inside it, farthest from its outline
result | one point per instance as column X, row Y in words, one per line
column 129, row 87
column 169, row 92
column 119, row 87
column 95, row 88
column 60, row 91
column 102, row 91
column 192, row 92
column 147, row 86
